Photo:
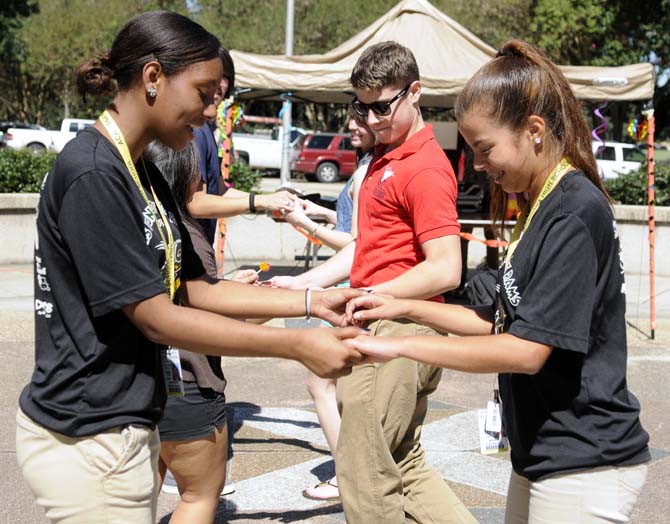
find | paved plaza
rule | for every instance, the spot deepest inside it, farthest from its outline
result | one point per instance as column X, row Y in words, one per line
column 279, row 448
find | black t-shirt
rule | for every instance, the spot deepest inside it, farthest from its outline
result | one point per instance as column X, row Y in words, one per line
column 565, row 288
column 97, row 250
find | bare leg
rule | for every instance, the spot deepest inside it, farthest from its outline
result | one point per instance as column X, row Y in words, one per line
column 162, row 471
column 199, row 467
column 322, row 391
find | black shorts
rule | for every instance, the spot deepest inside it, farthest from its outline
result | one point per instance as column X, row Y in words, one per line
column 195, row 415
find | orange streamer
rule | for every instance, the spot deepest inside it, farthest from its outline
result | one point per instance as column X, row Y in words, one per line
column 488, row 243
column 312, row 239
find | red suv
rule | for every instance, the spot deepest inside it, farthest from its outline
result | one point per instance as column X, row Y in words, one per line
column 326, row 157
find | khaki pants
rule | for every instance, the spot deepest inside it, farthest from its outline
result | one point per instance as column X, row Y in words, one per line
column 604, row 495
column 380, row 463
column 108, row 478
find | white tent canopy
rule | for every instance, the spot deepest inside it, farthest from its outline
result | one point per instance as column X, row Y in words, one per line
column 447, row 55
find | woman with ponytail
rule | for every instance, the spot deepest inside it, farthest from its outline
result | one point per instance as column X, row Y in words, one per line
column 118, row 284
column 556, row 333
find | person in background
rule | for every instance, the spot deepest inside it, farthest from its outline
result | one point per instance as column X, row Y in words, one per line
column 345, row 216
column 118, row 283
column 321, row 390
column 206, row 202
column 557, row 331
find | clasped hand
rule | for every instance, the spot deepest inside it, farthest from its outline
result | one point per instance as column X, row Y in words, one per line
column 362, row 309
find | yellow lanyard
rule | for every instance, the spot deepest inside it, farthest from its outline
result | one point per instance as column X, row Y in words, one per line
column 561, row 169
column 120, row 143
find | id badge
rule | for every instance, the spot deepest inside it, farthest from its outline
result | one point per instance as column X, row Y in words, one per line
column 493, row 422
column 172, row 372
column 491, row 436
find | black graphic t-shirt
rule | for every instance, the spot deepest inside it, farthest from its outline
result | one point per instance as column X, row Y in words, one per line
column 98, row 249
column 565, row 288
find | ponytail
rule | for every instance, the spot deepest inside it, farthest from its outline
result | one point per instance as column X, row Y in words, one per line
column 518, row 83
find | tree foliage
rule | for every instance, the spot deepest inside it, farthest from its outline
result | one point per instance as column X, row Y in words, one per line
column 608, row 33
column 40, row 50
column 37, row 75
column 23, row 171
column 632, row 188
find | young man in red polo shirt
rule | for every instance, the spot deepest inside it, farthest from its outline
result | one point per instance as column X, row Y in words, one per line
column 407, row 246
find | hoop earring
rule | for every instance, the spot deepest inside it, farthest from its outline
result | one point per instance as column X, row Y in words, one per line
column 151, row 91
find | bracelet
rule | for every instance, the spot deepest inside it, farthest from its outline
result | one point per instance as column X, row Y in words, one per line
column 313, row 232
column 252, row 206
column 308, row 303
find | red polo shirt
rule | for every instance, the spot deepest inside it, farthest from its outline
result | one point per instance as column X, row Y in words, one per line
column 407, row 198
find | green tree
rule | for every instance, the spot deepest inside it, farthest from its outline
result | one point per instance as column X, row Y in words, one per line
column 12, row 15
column 607, row 33
column 39, row 74
column 41, row 51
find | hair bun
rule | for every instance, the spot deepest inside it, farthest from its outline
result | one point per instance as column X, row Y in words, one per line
column 514, row 49
column 96, row 76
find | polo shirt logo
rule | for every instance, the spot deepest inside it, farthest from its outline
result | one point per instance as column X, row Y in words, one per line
column 379, row 192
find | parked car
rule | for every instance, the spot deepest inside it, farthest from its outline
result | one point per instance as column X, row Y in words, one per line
column 326, row 157
column 265, row 151
column 617, row 158
column 7, row 125
column 41, row 139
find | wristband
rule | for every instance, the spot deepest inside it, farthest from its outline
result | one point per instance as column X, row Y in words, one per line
column 252, row 206
column 308, row 303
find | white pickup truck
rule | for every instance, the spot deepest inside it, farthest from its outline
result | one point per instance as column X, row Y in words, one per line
column 264, row 151
column 617, row 158
column 38, row 140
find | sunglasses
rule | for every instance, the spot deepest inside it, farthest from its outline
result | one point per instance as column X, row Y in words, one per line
column 378, row 108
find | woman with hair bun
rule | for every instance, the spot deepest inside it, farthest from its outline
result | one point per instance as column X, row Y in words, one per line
column 118, row 284
column 556, row 333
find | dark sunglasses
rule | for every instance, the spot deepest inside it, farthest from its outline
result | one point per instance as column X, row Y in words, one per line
column 378, row 108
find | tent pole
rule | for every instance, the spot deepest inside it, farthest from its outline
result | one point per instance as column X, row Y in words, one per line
column 285, row 173
column 652, row 224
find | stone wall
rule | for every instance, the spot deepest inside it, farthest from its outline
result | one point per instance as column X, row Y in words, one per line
column 258, row 237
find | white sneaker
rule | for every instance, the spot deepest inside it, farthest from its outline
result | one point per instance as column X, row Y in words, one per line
column 170, row 486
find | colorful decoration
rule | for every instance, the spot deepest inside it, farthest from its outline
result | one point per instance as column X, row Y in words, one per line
column 233, row 110
column 513, row 209
column 637, row 128
column 602, row 127
column 227, row 115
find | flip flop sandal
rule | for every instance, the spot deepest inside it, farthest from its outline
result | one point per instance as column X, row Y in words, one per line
column 323, row 491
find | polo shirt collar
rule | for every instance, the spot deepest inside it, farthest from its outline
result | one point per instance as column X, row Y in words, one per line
column 411, row 146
